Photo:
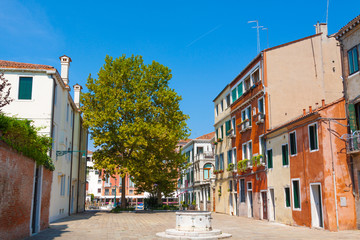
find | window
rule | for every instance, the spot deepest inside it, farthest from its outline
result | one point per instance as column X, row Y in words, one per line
column 96, row 172
column 293, row 149
column 313, row 138
column 287, row 196
column 246, row 118
column 113, row 191
column 230, row 185
column 131, row 183
column 216, row 162
column 248, row 115
column 67, row 112
column 255, row 76
column 99, row 190
column 229, row 156
column 353, row 60
column 234, row 157
column 216, row 110
column 233, row 95
column 228, row 100
column 106, row 191
column 222, row 105
column 261, row 145
column 244, row 151
column 240, row 89
column 235, row 185
column 242, row 190
column 131, row 192
column 285, row 154
column 221, row 161
column 187, row 154
column 25, row 88
column 99, row 181
column 227, row 127
column 270, row 158
column 192, row 175
column 233, row 120
column 261, row 106
column 247, row 151
column 222, row 131
column 296, row 194
column 216, row 134
column 247, row 83
column 62, row 186
column 207, row 169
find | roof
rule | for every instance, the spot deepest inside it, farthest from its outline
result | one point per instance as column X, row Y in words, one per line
column 207, row 136
column 348, row 27
column 301, row 117
column 11, row 64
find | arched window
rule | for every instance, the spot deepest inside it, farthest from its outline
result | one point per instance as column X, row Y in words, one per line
column 207, row 168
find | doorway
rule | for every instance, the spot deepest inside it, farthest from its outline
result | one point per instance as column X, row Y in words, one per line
column 250, row 199
column 316, row 205
column 264, row 204
column 271, row 205
column 35, row 226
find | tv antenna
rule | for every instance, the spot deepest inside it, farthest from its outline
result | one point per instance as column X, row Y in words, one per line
column 327, row 12
column 258, row 34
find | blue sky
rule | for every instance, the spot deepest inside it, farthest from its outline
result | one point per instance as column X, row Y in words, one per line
column 205, row 43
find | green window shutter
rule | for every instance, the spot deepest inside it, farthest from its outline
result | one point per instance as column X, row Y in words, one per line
column 227, row 127
column 222, row 131
column 351, row 62
column 352, row 117
column 25, row 88
column 313, row 137
column 216, row 134
column 285, row 155
column 240, row 89
column 216, row 162
column 287, row 197
column 293, row 143
column 229, row 157
column 296, row 194
column 270, row 158
column 356, row 62
column 233, row 94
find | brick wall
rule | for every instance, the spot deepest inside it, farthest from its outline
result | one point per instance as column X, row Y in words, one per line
column 16, row 188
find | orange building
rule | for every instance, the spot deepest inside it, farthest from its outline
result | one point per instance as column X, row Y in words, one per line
column 320, row 192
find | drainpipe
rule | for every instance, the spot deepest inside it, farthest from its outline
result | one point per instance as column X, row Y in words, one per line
column 334, row 179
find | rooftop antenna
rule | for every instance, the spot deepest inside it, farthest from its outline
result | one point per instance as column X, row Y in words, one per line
column 267, row 36
column 258, row 34
column 327, row 12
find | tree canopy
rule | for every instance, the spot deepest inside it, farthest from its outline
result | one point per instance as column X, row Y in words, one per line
column 135, row 120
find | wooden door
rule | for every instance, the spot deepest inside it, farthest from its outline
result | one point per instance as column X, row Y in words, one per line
column 264, row 202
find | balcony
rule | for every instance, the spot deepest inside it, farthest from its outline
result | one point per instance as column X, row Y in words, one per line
column 204, row 156
column 353, row 142
column 244, row 125
column 260, row 118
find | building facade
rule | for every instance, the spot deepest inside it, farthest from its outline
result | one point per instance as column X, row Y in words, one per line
column 196, row 182
column 225, row 155
column 315, row 191
column 42, row 95
column 349, row 39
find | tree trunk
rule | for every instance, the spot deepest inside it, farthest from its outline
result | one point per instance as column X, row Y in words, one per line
column 123, row 193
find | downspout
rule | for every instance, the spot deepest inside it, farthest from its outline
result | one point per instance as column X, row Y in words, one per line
column 334, row 180
column 72, row 147
column 78, row 190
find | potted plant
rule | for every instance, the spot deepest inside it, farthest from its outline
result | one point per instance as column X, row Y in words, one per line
column 219, row 140
column 230, row 167
column 219, row 192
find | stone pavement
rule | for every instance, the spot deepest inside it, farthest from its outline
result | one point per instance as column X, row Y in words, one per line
column 130, row 226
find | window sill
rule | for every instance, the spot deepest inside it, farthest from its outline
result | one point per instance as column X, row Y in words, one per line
column 353, row 75
column 297, row 209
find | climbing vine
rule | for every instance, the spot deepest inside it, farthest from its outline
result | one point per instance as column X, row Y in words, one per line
column 22, row 136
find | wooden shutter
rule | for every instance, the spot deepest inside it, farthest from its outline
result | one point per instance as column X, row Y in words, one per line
column 25, row 88
column 296, row 194
column 233, row 94
column 270, row 158
column 240, row 89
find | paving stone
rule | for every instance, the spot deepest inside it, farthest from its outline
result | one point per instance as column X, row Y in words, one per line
column 143, row 226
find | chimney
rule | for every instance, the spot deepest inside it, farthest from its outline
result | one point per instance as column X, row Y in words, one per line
column 323, row 102
column 77, row 91
column 304, row 111
column 65, row 64
column 310, row 109
column 321, row 28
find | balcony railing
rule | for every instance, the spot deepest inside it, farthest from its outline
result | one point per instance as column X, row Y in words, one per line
column 353, row 142
column 205, row 155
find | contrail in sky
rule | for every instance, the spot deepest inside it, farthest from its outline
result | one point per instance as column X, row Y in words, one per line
column 204, row 35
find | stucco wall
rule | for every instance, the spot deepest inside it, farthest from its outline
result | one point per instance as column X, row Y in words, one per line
column 278, row 177
column 299, row 75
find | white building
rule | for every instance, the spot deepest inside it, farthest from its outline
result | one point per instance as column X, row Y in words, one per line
column 197, row 181
column 93, row 179
column 43, row 96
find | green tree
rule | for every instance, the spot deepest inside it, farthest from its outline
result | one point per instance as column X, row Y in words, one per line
column 134, row 118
